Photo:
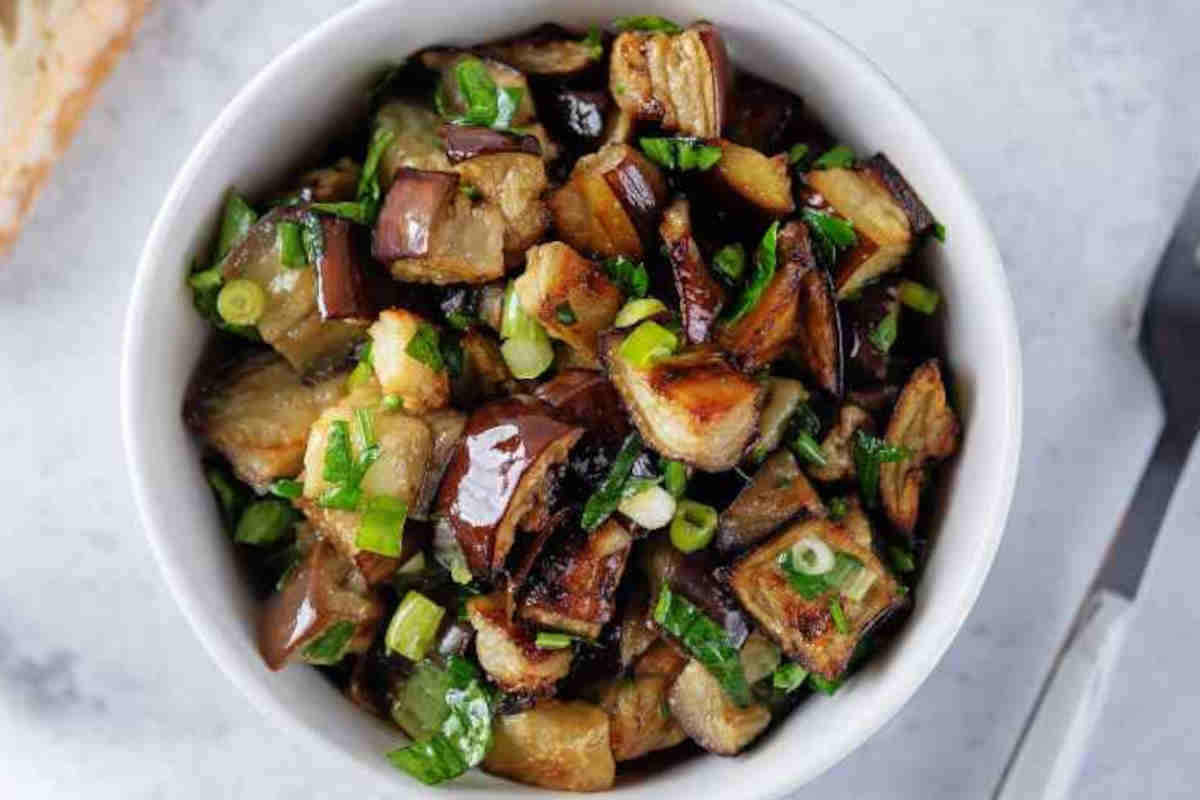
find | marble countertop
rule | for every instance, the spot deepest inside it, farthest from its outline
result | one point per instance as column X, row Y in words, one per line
column 1069, row 118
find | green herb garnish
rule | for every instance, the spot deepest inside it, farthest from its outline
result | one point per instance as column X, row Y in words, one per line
column 830, row 235
column 425, row 347
column 607, row 497
column 680, row 153
column 629, row 276
column 291, row 248
column 381, row 529
column 824, row 685
column 884, row 334
column 730, row 263
column 788, row 677
column 939, row 231
column 838, row 616
column 869, row 453
column 674, row 477
column 330, row 646
column 839, row 157
column 764, row 272
column 594, row 42
column 236, row 220
column 838, row 508
column 813, row 586
column 646, row 22
column 369, row 193
column 343, row 469
column 902, row 560
column 707, row 642
column 918, row 297
column 797, row 153
column 266, row 522
column 232, row 495
column 546, row 640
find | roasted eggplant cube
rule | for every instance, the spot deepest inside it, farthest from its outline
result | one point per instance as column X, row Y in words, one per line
column 924, row 424
column 485, row 375
column 679, row 81
column 513, row 183
column 805, row 627
column 499, row 474
column 546, row 51
column 639, row 718
column 291, row 320
column 694, row 406
column 574, row 581
column 610, row 204
column 322, row 612
column 819, row 334
column 415, row 141
column 709, row 717
column 701, row 298
column 257, row 413
column 587, row 398
column 878, row 304
column 888, row 217
column 760, row 185
column 569, row 295
column 777, row 493
column 507, row 652
column 838, row 445
column 416, row 382
column 556, row 745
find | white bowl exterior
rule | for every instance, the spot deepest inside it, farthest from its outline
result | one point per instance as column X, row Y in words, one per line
column 292, row 105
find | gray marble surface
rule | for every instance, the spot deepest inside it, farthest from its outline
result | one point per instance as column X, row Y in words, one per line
column 1072, row 119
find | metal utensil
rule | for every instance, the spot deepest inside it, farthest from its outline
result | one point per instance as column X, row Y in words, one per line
column 1052, row 745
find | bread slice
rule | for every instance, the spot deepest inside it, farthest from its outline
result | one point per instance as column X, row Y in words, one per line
column 53, row 56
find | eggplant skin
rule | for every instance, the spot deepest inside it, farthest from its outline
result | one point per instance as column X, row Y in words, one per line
column 587, row 398
column 777, row 493
column 761, row 184
column 555, row 745
column 416, row 201
column 471, row 141
column 701, row 298
column 547, row 50
column 574, row 581
column 819, row 338
column 639, row 718
column 709, row 717
column 512, row 184
column 507, row 653
column 884, row 172
column 924, row 424
column 804, row 628
column 693, row 407
column 257, row 412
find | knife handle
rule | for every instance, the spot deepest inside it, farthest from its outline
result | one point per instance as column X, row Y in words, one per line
column 1052, row 747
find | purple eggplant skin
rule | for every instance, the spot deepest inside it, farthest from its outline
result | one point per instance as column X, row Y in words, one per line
column 576, row 116
column 865, row 361
column 412, row 206
column 701, row 298
column 639, row 197
column 693, row 577
column 469, row 141
column 341, row 289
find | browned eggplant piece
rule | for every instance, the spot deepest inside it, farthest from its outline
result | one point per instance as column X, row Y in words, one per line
column 925, row 425
column 692, row 576
column 777, row 493
column 546, row 51
column 636, row 631
column 637, row 705
column 857, row 522
column 555, row 745
column 709, row 717
column 587, row 398
column 819, row 338
column 291, row 320
column 417, row 199
column 323, row 596
column 496, row 476
column 335, row 183
column 484, row 375
column 771, row 119
column 693, row 407
column 784, row 396
column 838, row 446
column 513, row 183
column 415, row 143
column 759, row 184
column 887, row 215
column 429, row 232
column 418, row 385
column 341, row 292
column 764, row 332
column 446, row 426
column 619, row 127
column 507, row 652
column 610, row 204
column 804, row 627
column 680, row 81
column 472, row 141
column 575, row 580
column 876, row 399
column 861, row 318
column 256, row 412
column 446, row 60
column 701, row 298
column 569, row 295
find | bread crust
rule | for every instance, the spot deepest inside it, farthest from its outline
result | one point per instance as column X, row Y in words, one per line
column 54, row 54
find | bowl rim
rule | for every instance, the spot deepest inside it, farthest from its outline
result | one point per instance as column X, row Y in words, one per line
column 155, row 256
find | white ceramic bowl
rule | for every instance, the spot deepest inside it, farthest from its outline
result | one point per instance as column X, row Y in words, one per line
column 290, row 108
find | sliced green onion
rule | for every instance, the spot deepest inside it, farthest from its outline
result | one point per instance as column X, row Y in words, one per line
column 236, row 219
column 648, row 343
column 707, row 642
column 730, row 263
column 241, row 302
column 812, row 556
column 381, row 529
column 764, row 271
column 650, row 507
column 939, row 231
column 902, row 560
column 884, row 334
column 806, row 447
column 286, row 488
column 594, row 42
column 414, row 626
column 607, row 497
column 838, row 615
column 919, row 297
column 291, row 249
column 391, row 402
column 366, row 428
column 693, row 526
column 419, row 707
column 528, row 358
column 431, row 761
column 206, row 280
column 845, row 568
column 232, row 495
column 675, row 477
column 869, row 453
column 838, row 157
column 637, row 310
column 824, row 685
column 797, row 152
column 646, row 22
column 859, row 584
column 789, row 677
column 565, row 314
column 330, row 646
column 356, row 211
column 265, row 522
column 552, row 641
